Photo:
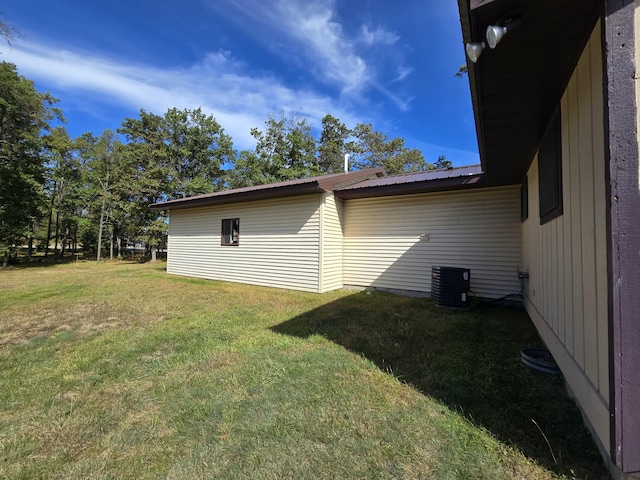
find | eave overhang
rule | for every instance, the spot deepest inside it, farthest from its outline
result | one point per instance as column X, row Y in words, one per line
column 321, row 184
column 235, row 197
column 516, row 87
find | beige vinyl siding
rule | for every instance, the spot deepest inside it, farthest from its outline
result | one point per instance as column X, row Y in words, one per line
column 392, row 242
column 331, row 244
column 279, row 243
column 566, row 294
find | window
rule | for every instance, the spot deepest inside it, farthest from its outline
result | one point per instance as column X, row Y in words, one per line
column 524, row 199
column 230, row 231
column 550, row 172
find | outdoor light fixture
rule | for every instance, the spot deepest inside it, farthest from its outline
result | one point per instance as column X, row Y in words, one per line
column 495, row 33
column 474, row 50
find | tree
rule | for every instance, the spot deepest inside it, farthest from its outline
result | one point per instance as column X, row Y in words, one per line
column 286, row 150
column 462, row 71
column 104, row 181
column 25, row 114
column 443, row 162
column 333, row 144
column 197, row 149
column 177, row 155
column 247, row 170
column 63, row 172
column 374, row 149
column 145, row 167
column 302, row 151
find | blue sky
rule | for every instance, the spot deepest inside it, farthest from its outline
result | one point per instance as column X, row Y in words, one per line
column 391, row 64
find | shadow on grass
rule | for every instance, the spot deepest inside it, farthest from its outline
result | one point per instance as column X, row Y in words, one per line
column 40, row 261
column 469, row 361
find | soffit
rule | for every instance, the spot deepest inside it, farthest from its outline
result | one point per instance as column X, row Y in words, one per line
column 517, row 86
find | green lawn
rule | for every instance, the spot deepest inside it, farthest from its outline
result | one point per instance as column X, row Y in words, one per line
column 119, row 370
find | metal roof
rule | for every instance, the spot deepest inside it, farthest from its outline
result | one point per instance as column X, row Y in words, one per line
column 420, row 182
column 323, row 183
column 419, row 177
column 371, row 182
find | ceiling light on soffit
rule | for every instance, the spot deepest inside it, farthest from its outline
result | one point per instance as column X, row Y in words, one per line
column 494, row 34
column 474, row 50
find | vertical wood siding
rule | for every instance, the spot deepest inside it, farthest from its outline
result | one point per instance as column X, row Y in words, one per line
column 566, row 294
column 392, row 242
column 279, row 243
column 637, row 57
column 331, row 244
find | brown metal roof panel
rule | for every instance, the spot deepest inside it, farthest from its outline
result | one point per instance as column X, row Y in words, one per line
column 300, row 186
column 332, row 182
column 406, row 188
column 411, row 178
column 235, row 196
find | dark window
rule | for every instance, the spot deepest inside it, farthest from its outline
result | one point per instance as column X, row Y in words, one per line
column 230, row 231
column 550, row 172
column 524, row 199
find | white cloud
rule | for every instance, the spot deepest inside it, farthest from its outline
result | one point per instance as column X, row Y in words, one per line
column 218, row 84
column 310, row 31
column 333, row 54
column 403, row 72
column 377, row 36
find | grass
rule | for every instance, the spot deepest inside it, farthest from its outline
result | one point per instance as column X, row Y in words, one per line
column 119, row 370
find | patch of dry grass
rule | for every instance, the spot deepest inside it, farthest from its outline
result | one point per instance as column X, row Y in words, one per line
column 87, row 298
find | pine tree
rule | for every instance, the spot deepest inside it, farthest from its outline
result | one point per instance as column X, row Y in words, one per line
column 25, row 114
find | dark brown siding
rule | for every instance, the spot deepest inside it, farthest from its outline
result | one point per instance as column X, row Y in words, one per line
column 624, row 231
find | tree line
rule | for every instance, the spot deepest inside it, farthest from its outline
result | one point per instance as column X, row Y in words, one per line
column 94, row 191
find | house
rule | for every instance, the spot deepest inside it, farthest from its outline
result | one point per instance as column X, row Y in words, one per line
column 557, row 197
column 285, row 235
column 360, row 229
column 556, row 109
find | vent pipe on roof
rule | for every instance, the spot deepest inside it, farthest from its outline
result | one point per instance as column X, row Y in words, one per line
column 346, row 163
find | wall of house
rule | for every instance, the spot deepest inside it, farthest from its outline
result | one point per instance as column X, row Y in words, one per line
column 637, row 77
column 279, row 243
column 392, row 242
column 566, row 258
column 331, row 243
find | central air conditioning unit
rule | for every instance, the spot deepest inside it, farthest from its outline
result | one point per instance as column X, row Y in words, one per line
column 450, row 286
